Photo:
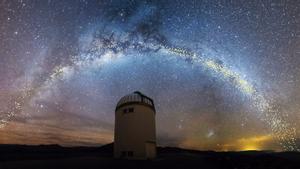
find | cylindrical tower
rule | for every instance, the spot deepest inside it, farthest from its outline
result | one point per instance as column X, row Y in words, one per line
column 135, row 136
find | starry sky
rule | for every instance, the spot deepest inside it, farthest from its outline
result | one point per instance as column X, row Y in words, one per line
column 224, row 75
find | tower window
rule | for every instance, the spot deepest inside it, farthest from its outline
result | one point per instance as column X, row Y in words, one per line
column 130, row 109
column 130, row 153
column 127, row 154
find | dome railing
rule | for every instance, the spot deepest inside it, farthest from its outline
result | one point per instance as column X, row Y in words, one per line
column 136, row 97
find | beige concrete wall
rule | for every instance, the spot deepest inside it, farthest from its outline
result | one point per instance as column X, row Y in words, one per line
column 133, row 130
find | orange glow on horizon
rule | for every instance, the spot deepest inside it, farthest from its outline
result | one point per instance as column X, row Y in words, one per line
column 254, row 143
column 262, row 142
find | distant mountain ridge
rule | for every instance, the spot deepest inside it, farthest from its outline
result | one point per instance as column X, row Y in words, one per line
column 107, row 148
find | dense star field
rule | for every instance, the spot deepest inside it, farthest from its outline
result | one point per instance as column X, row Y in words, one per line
column 224, row 75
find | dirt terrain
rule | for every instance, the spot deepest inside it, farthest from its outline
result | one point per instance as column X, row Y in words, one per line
column 54, row 156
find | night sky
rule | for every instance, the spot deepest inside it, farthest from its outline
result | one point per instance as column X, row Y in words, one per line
column 224, row 75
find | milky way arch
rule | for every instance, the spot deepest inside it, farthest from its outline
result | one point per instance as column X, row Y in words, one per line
column 141, row 33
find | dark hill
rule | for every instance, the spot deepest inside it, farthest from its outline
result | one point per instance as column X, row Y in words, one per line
column 55, row 156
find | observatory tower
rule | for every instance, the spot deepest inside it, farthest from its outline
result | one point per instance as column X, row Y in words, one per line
column 135, row 127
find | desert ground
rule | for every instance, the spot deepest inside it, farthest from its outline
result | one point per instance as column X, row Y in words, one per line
column 56, row 157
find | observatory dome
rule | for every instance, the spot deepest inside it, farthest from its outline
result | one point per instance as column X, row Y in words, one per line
column 135, row 98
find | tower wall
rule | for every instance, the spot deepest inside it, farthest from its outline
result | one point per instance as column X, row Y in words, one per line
column 135, row 136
